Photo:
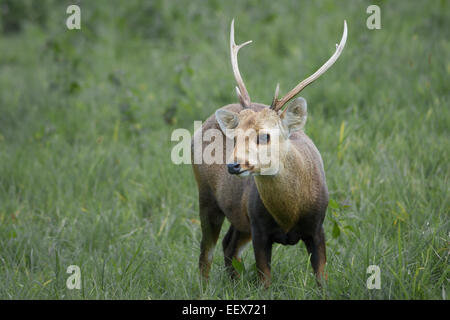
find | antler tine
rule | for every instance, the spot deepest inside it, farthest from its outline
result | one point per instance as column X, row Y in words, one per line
column 280, row 103
column 275, row 96
column 242, row 92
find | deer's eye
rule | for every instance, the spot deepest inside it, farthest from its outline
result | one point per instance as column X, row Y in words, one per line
column 263, row 138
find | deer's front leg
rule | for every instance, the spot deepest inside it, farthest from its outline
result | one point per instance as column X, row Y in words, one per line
column 316, row 248
column 262, row 247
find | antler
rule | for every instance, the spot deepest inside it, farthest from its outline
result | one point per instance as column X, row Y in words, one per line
column 241, row 91
column 277, row 104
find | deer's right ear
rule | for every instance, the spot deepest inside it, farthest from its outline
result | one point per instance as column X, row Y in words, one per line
column 228, row 120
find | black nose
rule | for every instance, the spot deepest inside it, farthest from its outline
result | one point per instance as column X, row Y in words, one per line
column 234, row 168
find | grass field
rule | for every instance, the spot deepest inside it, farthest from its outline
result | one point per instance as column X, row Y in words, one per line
column 85, row 123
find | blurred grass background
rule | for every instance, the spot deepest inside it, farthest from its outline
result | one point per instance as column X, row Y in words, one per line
column 85, row 124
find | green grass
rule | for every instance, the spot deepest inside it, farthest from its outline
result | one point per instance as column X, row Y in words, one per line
column 86, row 117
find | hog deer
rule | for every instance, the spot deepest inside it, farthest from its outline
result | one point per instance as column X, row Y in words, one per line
column 281, row 207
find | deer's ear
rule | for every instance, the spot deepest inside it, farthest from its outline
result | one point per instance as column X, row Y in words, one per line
column 228, row 120
column 293, row 118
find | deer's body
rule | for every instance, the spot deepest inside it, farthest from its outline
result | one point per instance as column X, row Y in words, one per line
column 283, row 207
column 297, row 197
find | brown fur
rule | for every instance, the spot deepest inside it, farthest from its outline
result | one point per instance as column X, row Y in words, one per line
column 282, row 208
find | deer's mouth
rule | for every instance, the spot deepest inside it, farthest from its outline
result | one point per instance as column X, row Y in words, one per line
column 244, row 173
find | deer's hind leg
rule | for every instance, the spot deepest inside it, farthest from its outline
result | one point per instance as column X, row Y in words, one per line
column 211, row 219
column 233, row 244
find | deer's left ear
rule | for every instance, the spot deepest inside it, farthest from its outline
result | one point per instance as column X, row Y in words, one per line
column 293, row 118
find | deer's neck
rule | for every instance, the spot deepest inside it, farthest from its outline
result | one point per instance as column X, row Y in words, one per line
column 287, row 194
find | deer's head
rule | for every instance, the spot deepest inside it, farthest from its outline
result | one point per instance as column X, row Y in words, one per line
column 261, row 138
